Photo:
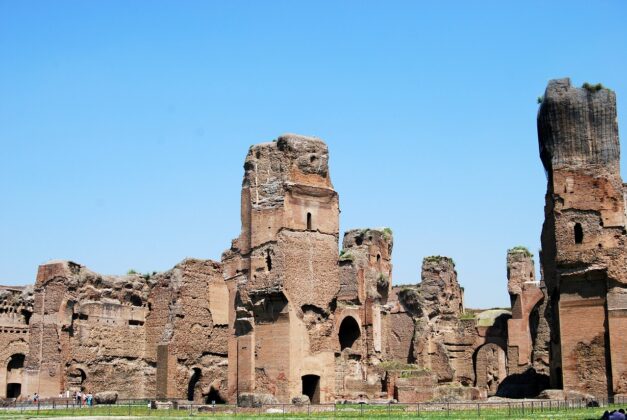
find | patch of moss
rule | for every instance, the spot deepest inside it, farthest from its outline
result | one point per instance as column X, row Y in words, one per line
column 346, row 256
column 467, row 315
column 438, row 259
column 520, row 249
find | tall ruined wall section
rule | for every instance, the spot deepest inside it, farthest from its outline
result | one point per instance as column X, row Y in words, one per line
column 85, row 331
column 425, row 328
column 282, row 272
column 583, row 238
column 365, row 284
column 93, row 332
column 187, row 332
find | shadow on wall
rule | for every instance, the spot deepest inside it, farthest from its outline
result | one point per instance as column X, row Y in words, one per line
column 523, row 385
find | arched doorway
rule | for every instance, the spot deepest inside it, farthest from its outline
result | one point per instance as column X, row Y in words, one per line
column 349, row 333
column 193, row 381
column 15, row 366
column 311, row 388
column 490, row 367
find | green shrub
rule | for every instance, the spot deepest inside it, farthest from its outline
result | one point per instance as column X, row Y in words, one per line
column 592, row 88
column 131, row 272
column 540, row 99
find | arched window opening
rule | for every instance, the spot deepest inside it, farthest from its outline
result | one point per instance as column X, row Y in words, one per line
column 268, row 260
column 311, row 388
column 16, row 362
column 349, row 333
column 378, row 258
column 578, row 233
column 193, row 381
column 308, row 221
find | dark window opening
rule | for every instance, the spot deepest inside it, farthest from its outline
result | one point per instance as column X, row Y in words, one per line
column 16, row 362
column 136, row 300
column 26, row 314
column 308, row 221
column 578, row 233
column 311, row 388
column 268, row 260
column 135, row 322
column 349, row 332
column 359, row 240
column 14, row 390
column 378, row 258
column 192, row 383
column 83, row 317
column 214, row 397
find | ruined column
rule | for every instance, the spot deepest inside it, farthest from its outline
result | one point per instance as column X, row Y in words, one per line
column 583, row 238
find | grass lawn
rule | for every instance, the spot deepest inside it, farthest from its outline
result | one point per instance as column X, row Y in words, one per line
column 339, row 411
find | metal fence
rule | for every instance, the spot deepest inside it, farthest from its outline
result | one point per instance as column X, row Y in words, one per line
column 178, row 408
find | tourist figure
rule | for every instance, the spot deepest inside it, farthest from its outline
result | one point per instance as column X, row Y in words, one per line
column 78, row 398
column 36, row 398
column 90, row 399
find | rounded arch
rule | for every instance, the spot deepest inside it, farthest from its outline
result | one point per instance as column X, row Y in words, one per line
column 349, row 333
column 490, row 362
column 15, row 366
column 15, row 361
column 76, row 378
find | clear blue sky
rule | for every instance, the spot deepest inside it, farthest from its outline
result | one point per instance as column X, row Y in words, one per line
column 124, row 124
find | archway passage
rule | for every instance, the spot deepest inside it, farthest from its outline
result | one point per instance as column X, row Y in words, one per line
column 349, row 332
column 192, row 383
column 490, row 367
column 14, row 375
column 311, row 388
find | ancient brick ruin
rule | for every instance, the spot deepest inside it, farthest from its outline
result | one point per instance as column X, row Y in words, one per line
column 288, row 316
column 583, row 238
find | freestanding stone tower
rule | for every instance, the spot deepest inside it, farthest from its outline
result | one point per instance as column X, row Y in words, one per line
column 583, row 238
column 283, row 275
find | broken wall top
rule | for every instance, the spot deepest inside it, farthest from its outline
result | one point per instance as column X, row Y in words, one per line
column 271, row 168
column 520, row 270
column 577, row 127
